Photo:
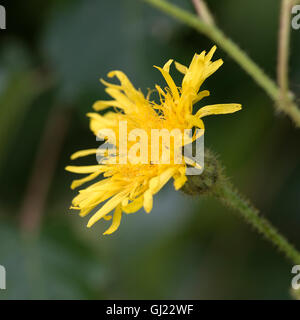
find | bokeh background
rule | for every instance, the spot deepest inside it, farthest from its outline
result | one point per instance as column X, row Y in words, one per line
column 51, row 58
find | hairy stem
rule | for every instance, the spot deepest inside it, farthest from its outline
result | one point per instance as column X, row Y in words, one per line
column 235, row 52
column 231, row 198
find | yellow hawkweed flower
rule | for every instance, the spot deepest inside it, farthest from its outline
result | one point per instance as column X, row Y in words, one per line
column 127, row 187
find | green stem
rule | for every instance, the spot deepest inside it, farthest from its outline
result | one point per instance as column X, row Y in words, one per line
column 203, row 11
column 231, row 198
column 283, row 49
column 235, row 52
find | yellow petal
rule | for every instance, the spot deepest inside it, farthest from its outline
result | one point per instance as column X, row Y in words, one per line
column 154, row 184
column 181, row 68
column 107, row 207
column 192, row 163
column 165, row 177
column 87, row 201
column 148, row 201
column 195, row 121
column 210, row 53
column 79, row 182
column 116, row 221
column 167, row 65
column 134, row 206
column 123, row 100
column 110, row 85
column 213, row 67
column 161, row 93
column 125, row 82
column 201, row 95
column 85, row 169
column 102, row 105
column 127, row 86
column 179, row 182
column 85, row 212
column 196, row 135
column 218, row 109
column 83, row 153
column 125, row 202
column 201, row 56
column 170, row 82
column 157, row 183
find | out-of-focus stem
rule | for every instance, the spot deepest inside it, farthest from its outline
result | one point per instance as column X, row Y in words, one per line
column 43, row 170
column 283, row 50
column 203, row 11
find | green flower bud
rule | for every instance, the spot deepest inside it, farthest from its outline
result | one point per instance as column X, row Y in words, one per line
column 206, row 182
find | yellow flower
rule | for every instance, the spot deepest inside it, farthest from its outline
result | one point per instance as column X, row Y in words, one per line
column 127, row 187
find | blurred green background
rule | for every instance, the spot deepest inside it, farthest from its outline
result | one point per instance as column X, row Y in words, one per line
column 51, row 58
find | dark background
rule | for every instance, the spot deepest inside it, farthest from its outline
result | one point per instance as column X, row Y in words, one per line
column 51, row 58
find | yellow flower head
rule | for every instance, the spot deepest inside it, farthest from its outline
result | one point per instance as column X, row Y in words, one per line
column 126, row 187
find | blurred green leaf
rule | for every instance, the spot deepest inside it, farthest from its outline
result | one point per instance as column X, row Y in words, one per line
column 90, row 38
column 46, row 268
column 20, row 86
